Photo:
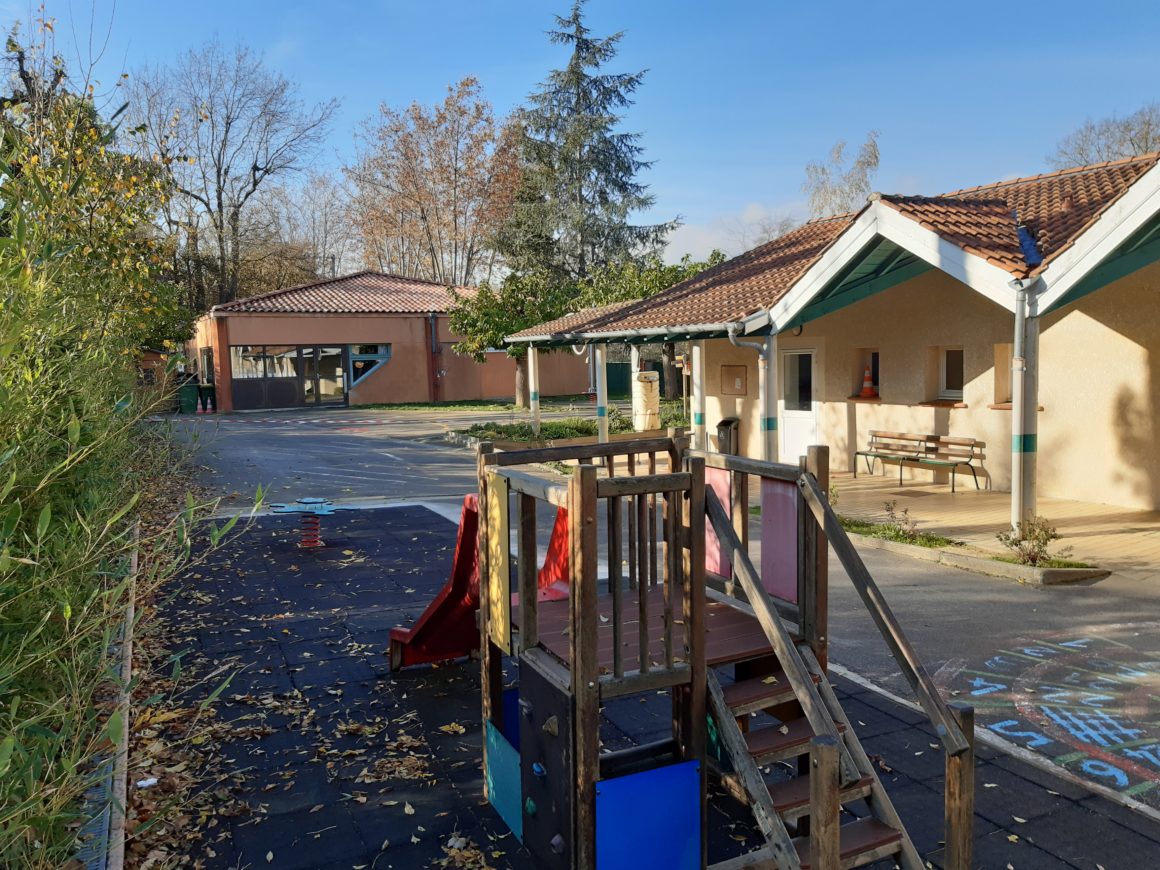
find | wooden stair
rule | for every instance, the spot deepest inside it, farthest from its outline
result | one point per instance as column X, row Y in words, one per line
column 782, row 809
column 863, row 842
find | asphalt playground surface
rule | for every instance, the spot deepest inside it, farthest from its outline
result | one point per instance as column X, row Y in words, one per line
column 1066, row 673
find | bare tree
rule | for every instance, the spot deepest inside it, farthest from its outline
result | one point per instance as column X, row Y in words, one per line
column 432, row 185
column 835, row 187
column 224, row 124
column 313, row 216
column 751, row 234
column 1112, row 138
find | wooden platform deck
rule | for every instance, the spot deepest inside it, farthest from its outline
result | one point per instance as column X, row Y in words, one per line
column 731, row 635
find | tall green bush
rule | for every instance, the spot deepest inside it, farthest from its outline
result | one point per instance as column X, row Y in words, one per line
column 78, row 298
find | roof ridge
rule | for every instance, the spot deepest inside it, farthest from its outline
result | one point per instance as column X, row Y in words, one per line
column 271, row 294
column 334, row 279
column 1152, row 156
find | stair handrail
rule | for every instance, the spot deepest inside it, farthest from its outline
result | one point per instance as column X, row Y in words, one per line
column 792, row 664
column 950, row 734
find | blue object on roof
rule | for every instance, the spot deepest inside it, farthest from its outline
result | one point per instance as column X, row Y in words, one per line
column 1027, row 243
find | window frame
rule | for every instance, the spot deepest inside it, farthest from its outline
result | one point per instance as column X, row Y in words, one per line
column 378, row 359
column 945, row 394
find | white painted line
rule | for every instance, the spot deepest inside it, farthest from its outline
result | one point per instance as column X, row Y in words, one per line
column 985, row 735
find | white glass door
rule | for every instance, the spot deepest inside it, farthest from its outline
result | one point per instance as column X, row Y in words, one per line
column 799, row 408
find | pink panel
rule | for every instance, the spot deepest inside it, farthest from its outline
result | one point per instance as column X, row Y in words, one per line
column 719, row 480
column 779, row 539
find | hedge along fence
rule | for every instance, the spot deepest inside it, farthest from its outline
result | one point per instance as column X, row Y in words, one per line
column 78, row 296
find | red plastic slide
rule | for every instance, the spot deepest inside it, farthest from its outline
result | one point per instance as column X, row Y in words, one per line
column 447, row 629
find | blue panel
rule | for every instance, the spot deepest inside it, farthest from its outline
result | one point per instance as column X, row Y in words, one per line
column 511, row 716
column 503, row 780
column 650, row 820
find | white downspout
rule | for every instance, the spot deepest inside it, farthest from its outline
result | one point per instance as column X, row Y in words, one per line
column 769, row 399
column 534, row 387
column 598, row 356
column 762, row 348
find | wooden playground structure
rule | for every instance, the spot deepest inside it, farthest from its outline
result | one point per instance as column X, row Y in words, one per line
column 664, row 597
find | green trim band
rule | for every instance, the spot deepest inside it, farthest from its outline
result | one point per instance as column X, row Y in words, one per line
column 601, row 411
column 769, row 424
column 1024, row 443
column 535, row 396
column 698, row 419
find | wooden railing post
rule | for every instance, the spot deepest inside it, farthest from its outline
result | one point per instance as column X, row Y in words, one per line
column 825, row 824
column 696, row 729
column 960, row 794
column 584, row 661
column 490, row 660
column 816, row 608
column 526, row 570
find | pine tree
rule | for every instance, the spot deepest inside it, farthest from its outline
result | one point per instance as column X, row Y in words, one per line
column 577, row 192
column 580, row 166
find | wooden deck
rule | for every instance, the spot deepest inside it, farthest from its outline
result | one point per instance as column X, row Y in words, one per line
column 730, row 634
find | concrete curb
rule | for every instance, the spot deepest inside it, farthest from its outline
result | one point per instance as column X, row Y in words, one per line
column 982, row 564
column 461, row 440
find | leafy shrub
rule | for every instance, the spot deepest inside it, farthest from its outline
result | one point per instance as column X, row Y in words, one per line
column 1031, row 543
column 673, row 414
column 550, row 430
column 900, row 526
column 78, row 297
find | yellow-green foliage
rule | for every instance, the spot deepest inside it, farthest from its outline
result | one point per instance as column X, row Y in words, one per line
column 78, row 297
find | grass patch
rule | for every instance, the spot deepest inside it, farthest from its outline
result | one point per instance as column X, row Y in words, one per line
column 891, row 532
column 550, row 430
column 1048, row 563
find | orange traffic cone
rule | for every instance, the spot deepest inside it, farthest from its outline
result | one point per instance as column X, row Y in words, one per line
column 868, row 391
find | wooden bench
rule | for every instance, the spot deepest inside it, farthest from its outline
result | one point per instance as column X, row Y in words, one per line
column 934, row 451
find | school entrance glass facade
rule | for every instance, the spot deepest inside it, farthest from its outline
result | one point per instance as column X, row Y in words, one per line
column 288, row 376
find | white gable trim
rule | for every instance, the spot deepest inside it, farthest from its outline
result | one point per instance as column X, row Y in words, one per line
column 883, row 221
column 978, row 274
column 849, row 244
column 1116, row 225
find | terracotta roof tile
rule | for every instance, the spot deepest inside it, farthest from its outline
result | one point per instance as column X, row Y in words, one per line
column 1055, row 208
column 587, row 320
column 360, row 293
column 723, row 294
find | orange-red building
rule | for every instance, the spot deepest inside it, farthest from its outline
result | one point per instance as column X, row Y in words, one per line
column 354, row 340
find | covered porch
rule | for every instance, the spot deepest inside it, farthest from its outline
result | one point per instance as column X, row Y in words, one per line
column 1122, row 540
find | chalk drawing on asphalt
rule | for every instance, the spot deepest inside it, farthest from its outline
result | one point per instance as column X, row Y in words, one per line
column 1089, row 701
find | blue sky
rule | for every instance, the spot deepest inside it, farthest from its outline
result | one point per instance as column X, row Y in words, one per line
column 739, row 96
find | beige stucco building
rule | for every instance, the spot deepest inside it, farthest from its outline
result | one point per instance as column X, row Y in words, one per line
column 354, row 340
column 1024, row 315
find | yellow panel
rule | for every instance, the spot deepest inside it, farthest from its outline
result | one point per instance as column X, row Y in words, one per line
column 499, row 599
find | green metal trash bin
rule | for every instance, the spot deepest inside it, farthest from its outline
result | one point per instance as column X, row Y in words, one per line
column 187, row 398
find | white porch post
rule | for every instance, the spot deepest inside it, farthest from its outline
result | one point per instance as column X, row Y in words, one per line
column 769, row 392
column 699, row 439
column 634, row 350
column 1030, row 439
column 1024, row 412
column 599, row 353
column 534, row 387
